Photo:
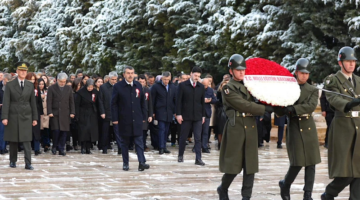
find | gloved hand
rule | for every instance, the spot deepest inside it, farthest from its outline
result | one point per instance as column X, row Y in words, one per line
column 269, row 109
column 290, row 110
column 352, row 104
column 280, row 111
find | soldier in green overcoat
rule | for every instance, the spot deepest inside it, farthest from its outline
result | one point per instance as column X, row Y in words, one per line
column 19, row 114
column 344, row 138
column 301, row 138
column 239, row 146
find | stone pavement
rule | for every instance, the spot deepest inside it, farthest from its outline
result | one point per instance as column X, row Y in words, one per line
column 98, row 176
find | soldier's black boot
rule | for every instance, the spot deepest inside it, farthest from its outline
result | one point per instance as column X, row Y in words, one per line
column 307, row 196
column 325, row 196
column 284, row 191
column 223, row 194
column 246, row 198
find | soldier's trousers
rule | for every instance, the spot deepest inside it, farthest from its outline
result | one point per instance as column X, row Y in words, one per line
column 14, row 152
column 247, row 186
column 309, row 177
column 338, row 184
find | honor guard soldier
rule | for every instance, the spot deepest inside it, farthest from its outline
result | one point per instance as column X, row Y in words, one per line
column 239, row 146
column 344, row 139
column 301, row 137
column 19, row 114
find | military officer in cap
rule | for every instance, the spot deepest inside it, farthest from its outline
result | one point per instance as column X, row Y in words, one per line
column 19, row 114
column 301, row 136
column 239, row 146
column 344, row 138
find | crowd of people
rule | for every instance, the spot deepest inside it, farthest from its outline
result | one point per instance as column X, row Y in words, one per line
column 74, row 112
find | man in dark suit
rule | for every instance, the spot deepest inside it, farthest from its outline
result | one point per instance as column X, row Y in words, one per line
column 190, row 112
column 128, row 110
column 328, row 113
column 149, row 107
column 19, row 114
column 163, row 98
column 105, row 111
column 61, row 107
column 209, row 99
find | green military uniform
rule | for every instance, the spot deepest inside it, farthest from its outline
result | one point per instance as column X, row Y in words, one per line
column 239, row 148
column 344, row 143
column 344, row 140
column 302, row 140
column 239, row 145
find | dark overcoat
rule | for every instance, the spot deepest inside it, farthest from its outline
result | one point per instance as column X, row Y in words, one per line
column 105, row 94
column 61, row 105
column 86, row 112
column 149, row 107
column 190, row 101
column 19, row 108
column 239, row 145
column 40, row 110
column 163, row 101
column 302, row 140
column 344, row 139
column 128, row 108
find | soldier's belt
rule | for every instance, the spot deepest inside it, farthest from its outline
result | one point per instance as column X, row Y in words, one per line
column 352, row 114
column 239, row 114
column 303, row 115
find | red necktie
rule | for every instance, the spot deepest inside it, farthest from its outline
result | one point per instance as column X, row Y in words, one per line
column 194, row 84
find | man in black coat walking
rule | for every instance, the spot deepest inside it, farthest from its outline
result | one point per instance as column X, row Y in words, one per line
column 163, row 98
column 328, row 113
column 128, row 110
column 105, row 112
column 61, row 107
column 190, row 112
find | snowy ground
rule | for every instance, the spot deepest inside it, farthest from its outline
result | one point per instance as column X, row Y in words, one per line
column 99, row 176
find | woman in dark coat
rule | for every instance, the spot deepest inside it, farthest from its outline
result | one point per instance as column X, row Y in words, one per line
column 74, row 129
column 86, row 109
column 220, row 114
column 36, row 129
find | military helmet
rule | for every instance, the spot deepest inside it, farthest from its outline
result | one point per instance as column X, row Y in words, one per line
column 237, row 61
column 302, row 65
column 346, row 53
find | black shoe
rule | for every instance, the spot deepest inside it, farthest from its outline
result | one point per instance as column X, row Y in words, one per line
column 83, row 151
column 88, row 151
column 62, row 153
column 2, row 152
column 143, row 166
column 180, row 159
column 104, row 152
column 166, row 151
column 246, row 198
column 37, row 153
column 68, row 148
column 307, row 196
column 223, row 194
column 199, row 162
column 13, row 164
column 53, row 151
column 6, row 151
column 284, row 191
column 119, row 151
column 279, row 146
column 126, row 167
column 260, row 144
column 325, row 196
column 46, row 149
column 206, row 151
column 29, row 167
column 161, row 151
